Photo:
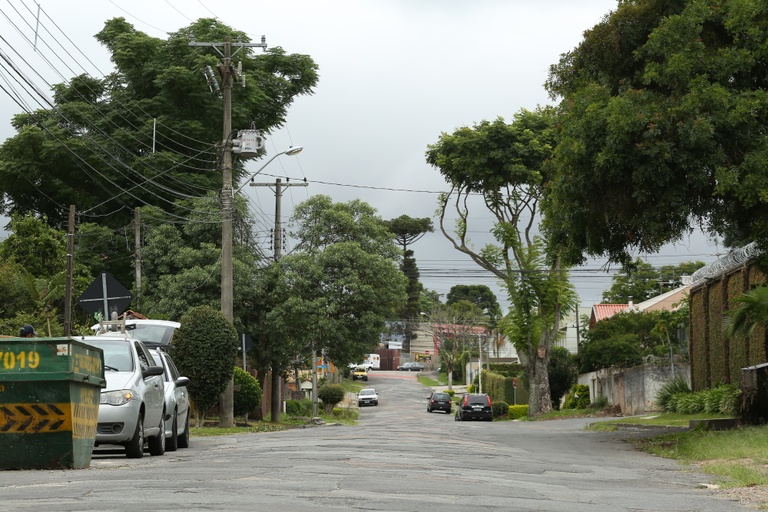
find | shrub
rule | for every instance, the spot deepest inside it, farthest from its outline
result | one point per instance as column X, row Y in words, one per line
column 247, row 392
column 204, row 349
column 331, row 395
column 471, row 388
column 346, row 414
column 668, row 390
column 600, row 403
column 451, row 392
column 723, row 399
column 517, row 411
column 578, row 397
column 298, row 407
column 500, row 409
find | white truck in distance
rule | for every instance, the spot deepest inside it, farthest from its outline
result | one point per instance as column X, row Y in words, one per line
column 372, row 362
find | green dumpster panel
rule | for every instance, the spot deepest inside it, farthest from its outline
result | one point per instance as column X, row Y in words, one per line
column 49, row 402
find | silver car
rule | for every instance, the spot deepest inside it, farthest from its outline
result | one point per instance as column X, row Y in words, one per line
column 132, row 406
column 176, row 403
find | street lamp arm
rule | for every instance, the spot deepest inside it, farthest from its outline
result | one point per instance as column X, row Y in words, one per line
column 290, row 152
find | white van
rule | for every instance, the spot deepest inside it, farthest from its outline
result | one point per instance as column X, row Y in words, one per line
column 374, row 361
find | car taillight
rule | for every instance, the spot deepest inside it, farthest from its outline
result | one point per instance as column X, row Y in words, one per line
column 489, row 401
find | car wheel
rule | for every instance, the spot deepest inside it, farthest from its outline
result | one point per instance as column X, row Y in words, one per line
column 172, row 443
column 429, row 410
column 359, row 404
column 157, row 443
column 456, row 418
column 134, row 449
column 184, row 437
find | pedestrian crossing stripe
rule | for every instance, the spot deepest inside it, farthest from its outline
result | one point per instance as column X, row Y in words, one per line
column 35, row 418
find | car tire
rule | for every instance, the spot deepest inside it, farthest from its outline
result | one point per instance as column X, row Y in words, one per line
column 184, row 437
column 429, row 410
column 134, row 449
column 172, row 443
column 359, row 404
column 157, row 443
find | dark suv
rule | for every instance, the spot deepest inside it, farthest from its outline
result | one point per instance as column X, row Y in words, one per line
column 439, row 402
column 475, row 406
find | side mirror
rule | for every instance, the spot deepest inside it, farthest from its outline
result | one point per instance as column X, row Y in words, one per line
column 152, row 370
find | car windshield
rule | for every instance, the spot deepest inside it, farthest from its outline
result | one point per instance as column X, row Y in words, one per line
column 117, row 354
column 366, row 392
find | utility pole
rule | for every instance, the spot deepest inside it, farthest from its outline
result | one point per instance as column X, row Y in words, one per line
column 70, row 256
column 137, row 256
column 278, row 241
column 227, row 73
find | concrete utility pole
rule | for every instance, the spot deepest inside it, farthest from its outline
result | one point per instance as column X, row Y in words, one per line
column 137, row 256
column 70, row 256
column 228, row 73
column 278, row 245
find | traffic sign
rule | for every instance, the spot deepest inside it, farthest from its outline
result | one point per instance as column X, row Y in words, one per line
column 105, row 294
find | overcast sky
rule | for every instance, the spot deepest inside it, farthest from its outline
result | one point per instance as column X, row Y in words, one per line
column 394, row 75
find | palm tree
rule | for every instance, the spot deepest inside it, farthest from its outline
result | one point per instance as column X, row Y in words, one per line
column 751, row 311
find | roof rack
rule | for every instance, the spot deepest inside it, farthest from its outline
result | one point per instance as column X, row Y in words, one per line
column 106, row 326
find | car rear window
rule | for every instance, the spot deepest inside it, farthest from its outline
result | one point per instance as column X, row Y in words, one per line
column 478, row 399
column 441, row 396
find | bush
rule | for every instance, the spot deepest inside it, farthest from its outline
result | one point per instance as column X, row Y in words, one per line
column 451, row 392
column 247, row 393
column 600, row 403
column 331, row 395
column 346, row 414
column 204, row 349
column 298, row 407
column 668, row 390
column 578, row 397
column 723, row 399
column 517, row 411
column 500, row 409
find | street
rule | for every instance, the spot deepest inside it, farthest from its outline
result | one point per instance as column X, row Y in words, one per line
column 399, row 458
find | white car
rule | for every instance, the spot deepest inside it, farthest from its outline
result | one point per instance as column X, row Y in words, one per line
column 367, row 396
column 132, row 405
column 176, row 403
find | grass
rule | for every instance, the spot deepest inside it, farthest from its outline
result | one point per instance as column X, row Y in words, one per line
column 738, row 457
column 662, row 419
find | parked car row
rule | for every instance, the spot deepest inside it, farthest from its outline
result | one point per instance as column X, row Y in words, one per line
column 145, row 401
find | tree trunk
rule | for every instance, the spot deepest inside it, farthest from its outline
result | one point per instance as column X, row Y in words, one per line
column 277, row 399
column 539, row 398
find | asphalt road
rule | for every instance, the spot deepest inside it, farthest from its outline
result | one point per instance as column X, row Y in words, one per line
column 399, row 458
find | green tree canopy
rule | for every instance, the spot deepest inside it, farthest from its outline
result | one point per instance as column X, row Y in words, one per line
column 641, row 281
column 479, row 295
column 624, row 339
column 408, row 230
column 663, row 117
column 94, row 147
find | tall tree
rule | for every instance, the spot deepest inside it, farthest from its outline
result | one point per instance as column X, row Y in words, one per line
column 663, row 117
column 97, row 148
column 408, row 230
column 336, row 291
column 507, row 164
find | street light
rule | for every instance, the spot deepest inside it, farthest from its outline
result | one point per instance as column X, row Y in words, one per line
column 290, row 152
